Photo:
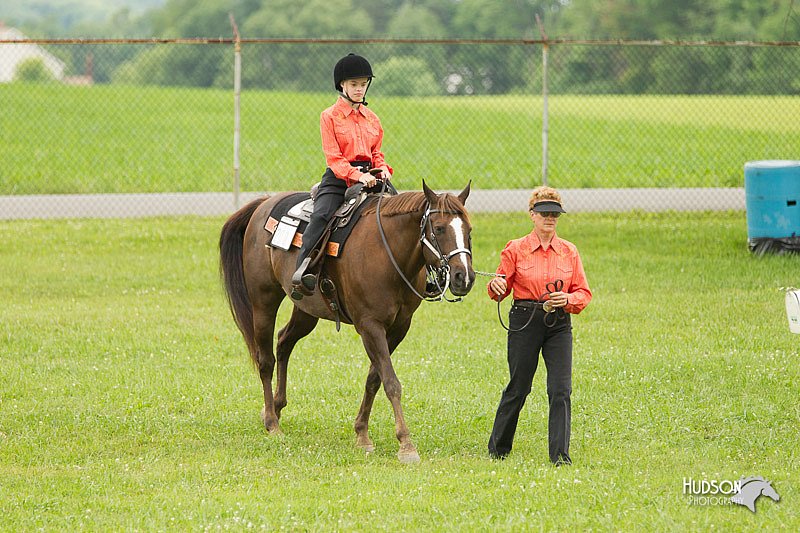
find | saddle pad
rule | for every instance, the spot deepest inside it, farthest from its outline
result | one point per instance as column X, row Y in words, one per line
column 338, row 237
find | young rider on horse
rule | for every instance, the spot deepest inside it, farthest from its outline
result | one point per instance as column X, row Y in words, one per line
column 351, row 139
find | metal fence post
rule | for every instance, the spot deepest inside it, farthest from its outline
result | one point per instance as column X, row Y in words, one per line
column 237, row 89
column 545, row 114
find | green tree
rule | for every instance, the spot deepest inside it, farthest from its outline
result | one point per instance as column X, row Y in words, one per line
column 501, row 68
column 381, row 12
column 415, row 22
column 200, row 18
column 406, row 76
column 412, row 21
column 757, row 20
column 637, row 19
column 300, row 66
column 763, row 20
column 313, row 18
column 33, row 70
column 195, row 66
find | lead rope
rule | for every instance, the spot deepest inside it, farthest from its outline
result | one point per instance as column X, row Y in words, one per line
column 556, row 315
column 500, row 318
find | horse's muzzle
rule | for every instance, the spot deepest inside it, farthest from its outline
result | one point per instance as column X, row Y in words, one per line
column 461, row 281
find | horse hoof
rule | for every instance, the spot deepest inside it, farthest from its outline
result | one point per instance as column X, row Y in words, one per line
column 365, row 444
column 273, row 429
column 408, row 458
column 272, row 426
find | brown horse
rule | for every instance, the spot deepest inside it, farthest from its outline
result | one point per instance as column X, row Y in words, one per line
column 379, row 276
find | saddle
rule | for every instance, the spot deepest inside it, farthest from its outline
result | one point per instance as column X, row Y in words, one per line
column 289, row 218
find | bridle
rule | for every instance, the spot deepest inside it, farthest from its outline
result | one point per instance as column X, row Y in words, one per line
column 438, row 273
column 441, row 271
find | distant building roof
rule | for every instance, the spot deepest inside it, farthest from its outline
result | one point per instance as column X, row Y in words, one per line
column 11, row 55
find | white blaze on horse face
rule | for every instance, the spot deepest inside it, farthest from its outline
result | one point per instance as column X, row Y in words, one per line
column 458, row 227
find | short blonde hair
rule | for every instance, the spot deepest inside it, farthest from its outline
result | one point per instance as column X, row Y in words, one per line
column 543, row 193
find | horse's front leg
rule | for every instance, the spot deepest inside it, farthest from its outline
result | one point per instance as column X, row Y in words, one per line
column 374, row 338
column 394, row 337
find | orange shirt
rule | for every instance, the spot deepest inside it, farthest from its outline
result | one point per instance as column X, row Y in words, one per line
column 529, row 267
column 351, row 135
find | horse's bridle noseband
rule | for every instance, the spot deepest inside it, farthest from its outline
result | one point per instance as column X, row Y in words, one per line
column 442, row 270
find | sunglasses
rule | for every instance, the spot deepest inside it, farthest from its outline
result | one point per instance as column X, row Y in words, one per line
column 548, row 214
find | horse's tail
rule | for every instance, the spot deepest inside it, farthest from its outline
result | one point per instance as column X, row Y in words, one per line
column 231, row 270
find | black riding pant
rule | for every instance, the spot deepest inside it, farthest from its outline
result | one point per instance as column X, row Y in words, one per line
column 330, row 196
column 555, row 345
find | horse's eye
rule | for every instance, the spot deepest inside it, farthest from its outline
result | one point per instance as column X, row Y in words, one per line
column 439, row 230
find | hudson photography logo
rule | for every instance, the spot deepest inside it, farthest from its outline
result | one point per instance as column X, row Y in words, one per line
column 744, row 492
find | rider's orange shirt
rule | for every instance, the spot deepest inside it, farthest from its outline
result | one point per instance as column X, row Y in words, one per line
column 529, row 267
column 351, row 135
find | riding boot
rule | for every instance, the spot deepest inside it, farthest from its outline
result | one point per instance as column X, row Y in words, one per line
column 299, row 285
column 303, row 283
column 329, row 197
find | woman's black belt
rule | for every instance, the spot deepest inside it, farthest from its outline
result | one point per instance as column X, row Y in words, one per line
column 528, row 304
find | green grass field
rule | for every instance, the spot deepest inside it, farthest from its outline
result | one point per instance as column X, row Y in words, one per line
column 106, row 139
column 128, row 401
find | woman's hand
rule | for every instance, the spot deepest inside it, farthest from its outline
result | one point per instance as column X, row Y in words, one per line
column 558, row 299
column 498, row 286
column 367, row 179
column 385, row 174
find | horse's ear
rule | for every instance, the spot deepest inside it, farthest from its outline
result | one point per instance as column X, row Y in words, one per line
column 431, row 196
column 465, row 193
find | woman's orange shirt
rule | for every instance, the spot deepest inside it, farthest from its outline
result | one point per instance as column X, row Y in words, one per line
column 529, row 267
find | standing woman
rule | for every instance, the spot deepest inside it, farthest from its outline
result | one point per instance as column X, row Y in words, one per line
column 545, row 274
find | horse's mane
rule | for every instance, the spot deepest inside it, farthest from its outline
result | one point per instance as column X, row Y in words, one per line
column 413, row 202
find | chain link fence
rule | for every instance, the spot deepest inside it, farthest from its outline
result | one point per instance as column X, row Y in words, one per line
column 136, row 128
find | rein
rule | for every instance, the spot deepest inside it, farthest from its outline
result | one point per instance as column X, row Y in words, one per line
column 443, row 269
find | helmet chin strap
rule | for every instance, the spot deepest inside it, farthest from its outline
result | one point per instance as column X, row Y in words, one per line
column 364, row 100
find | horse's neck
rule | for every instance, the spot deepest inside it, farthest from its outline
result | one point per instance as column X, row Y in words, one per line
column 406, row 236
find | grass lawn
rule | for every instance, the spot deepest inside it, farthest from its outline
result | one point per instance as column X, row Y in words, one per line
column 57, row 139
column 128, row 400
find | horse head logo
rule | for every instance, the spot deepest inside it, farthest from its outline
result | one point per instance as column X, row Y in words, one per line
column 750, row 488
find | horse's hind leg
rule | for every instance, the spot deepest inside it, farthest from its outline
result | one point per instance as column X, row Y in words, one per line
column 264, row 328
column 362, row 419
column 300, row 324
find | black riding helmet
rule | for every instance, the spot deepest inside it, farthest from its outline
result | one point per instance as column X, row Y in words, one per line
column 349, row 67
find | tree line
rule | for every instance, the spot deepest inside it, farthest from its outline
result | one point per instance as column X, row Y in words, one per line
column 442, row 69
